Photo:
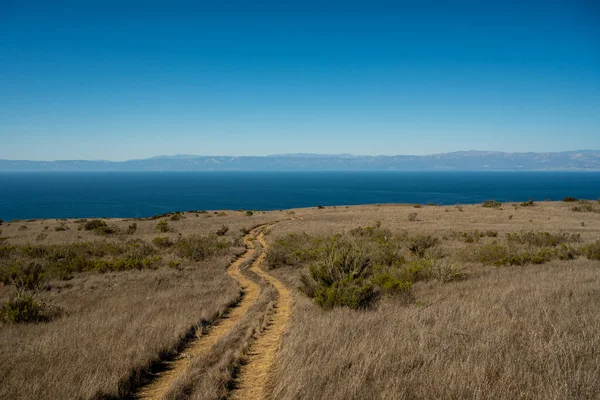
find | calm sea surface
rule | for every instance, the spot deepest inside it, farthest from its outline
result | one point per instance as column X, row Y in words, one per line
column 136, row 194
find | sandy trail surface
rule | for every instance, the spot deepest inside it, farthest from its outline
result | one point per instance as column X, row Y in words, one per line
column 202, row 344
column 254, row 376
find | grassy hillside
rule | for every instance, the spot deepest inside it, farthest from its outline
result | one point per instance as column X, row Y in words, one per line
column 389, row 301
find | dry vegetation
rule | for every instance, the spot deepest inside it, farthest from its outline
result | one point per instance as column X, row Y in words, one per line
column 117, row 299
column 390, row 301
column 509, row 312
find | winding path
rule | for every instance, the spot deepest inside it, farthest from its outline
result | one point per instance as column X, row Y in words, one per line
column 202, row 344
column 254, row 376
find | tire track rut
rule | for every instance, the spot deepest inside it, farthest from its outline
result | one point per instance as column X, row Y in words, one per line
column 254, row 377
column 201, row 345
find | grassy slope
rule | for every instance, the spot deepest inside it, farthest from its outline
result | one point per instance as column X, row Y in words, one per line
column 516, row 331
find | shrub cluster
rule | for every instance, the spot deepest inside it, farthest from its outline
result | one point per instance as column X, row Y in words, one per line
column 61, row 261
column 222, row 231
column 198, row 247
column 24, row 306
column 475, row 235
column 543, row 239
column 499, row 255
column 491, row 204
column 528, row 203
column 356, row 269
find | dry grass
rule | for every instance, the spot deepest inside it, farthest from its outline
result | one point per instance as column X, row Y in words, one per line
column 114, row 325
column 505, row 335
column 525, row 331
column 511, row 332
column 213, row 376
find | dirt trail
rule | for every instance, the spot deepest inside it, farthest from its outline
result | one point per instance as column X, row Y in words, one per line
column 255, row 374
column 201, row 345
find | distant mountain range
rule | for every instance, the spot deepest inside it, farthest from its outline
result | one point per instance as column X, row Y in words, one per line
column 460, row 161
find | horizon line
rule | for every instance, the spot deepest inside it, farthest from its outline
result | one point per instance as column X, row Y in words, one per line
column 304, row 154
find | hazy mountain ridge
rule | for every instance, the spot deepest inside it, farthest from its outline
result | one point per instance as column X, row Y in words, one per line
column 461, row 160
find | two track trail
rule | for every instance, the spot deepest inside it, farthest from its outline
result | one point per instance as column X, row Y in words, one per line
column 254, row 377
column 201, row 345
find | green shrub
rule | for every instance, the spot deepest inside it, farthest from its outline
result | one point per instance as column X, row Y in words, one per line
column 176, row 217
column 543, row 239
column 428, row 268
column 106, row 230
column 162, row 226
column 340, row 278
column 197, row 248
column 592, row 251
column 6, row 251
column 94, row 224
column 249, row 213
column 222, row 230
column 352, row 293
column 61, row 227
column 23, row 307
column 569, row 199
column 421, row 243
column 491, row 204
column 131, row 229
column 527, row 203
column 390, row 282
column 163, row 242
column 294, row 250
column 499, row 255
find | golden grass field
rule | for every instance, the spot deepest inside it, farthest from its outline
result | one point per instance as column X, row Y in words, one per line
column 385, row 302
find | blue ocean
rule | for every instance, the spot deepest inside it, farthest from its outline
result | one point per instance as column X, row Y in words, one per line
column 26, row 195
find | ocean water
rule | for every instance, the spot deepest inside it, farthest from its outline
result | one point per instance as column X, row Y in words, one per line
column 28, row 195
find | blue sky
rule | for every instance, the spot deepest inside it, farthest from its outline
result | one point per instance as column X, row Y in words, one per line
column 103, row 80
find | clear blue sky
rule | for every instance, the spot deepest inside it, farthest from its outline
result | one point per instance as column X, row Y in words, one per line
column 100, row 80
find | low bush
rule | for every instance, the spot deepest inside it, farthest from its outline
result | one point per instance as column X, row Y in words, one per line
column 491, row 204
column 420, row 244
column 569, row 199
column 162, row 242
column 295, row 250
column 176, row 217
column 528, row 203
column 412, row 216
column 162, row 226
column 501, row 255
column 222, row 231
column 586, row 207
column 131, row 229
column 543, row 239
column 106, row 230
column 350, row 274
column 23, row 307
column 592, row 251
column 431, row 268
column 61, row 227
column 249, row 213
column 197, row 247
column 94, row 224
